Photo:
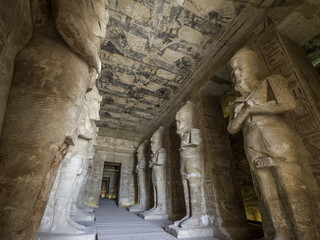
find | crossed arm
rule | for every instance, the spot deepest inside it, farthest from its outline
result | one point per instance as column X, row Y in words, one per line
column 283, row 102
column 158, row 158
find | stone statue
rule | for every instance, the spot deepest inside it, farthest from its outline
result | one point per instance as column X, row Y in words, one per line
column 158, row 165
column 65, row 203
column 66, row 68
column 142, row 180
column 192, row 225
column 190, row 166
column 88, row 131
column 274, row 150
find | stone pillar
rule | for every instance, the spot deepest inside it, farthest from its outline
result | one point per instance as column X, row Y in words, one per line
column 92, row 189
column 195, row 223
column 46, row 98
column 224, row 207
column 141, row 180
column 158, row 164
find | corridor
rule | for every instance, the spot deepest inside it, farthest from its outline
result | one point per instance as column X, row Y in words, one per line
column 115, row 223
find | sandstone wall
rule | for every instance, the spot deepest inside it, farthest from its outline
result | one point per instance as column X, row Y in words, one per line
column 113, row 151
column 175, row 204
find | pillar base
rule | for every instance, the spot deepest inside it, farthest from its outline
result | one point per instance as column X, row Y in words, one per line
column 62, row 236
column 146, row 216
column 137, row 208
column 179, row 232
column 83, row 217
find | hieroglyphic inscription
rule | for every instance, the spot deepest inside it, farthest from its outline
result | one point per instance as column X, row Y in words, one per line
column 178, row 201
column 207, row 165
column 280, row 60
column 218, row 171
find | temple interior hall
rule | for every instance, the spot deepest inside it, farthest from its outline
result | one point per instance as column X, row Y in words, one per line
column 159, row 119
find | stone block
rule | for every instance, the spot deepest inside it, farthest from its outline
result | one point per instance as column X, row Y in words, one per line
column 153, row 216
column 83, row 217
column 61, row 236
column 179, row 232
column 137, row 209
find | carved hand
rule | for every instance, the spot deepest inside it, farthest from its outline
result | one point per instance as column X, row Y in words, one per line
column 238, row 109
column 150, row 164
column 236, row 121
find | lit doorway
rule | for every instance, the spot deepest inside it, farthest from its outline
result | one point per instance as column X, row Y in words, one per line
column 110, row 184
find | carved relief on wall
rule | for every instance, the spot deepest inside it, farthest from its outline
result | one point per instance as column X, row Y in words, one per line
column 178, row 202
column 280, row 58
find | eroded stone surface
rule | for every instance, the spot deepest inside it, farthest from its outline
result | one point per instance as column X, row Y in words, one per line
column 83, row 26
column 36, row 144
column 15, row 34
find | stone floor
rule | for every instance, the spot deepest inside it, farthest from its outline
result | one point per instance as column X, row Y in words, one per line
column 115, row 223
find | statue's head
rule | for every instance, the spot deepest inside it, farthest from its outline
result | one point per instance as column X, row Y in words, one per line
column 90, row 152
column 85, row 126
column 156, row 140
column 244, row 64
column 94, row 99
column 141, row 149
column 185, row 118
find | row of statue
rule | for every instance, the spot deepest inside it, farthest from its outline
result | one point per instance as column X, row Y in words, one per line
column 276, row 155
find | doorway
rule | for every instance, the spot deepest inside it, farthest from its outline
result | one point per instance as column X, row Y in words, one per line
column 110, row 184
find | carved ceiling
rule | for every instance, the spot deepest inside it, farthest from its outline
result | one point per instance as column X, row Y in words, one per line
column 156, row 50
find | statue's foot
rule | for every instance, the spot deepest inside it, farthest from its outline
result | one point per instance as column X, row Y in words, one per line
column 177, row 223
column 150, row 210
column 154, row 211
column 191, row 222
column 137, row 206
column 66, row 228
column 280, row 236
column 75, row 225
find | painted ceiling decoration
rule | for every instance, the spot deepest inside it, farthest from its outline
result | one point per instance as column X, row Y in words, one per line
column 151, row 49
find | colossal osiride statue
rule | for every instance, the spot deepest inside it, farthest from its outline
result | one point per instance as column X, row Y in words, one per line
column 274, row 150
column 194, row 223
column 142, row 180
column 158, row 165
column 79, row 209
column 58, row 217
column 52, row 73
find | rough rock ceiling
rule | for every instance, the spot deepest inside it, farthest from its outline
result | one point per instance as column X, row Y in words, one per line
column 152, row 50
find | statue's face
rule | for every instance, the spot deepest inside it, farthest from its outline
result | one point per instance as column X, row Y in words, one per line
column 184, row 119
column 181, row 124
column 140, row 153
column 155, row 141
column 243, row 74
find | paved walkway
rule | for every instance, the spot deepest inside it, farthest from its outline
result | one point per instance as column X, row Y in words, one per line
column 115, row 223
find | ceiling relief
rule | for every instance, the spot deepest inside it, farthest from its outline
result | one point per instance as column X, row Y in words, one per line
column 151, row 49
